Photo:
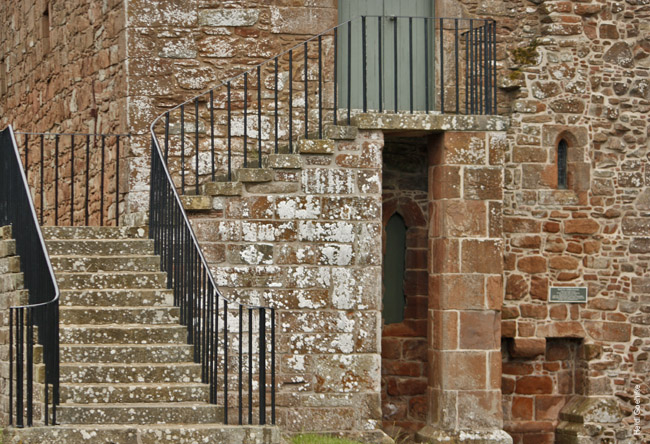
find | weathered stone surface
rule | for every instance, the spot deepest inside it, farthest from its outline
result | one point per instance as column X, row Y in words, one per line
column 620, row 54
column 315, row 146
column 228, row 17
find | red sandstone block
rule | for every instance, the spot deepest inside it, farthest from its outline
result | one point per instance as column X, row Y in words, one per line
column 507, row 385
column 551, row 227
column 508, row 329
column 484, row 183
column 566, row 329
column 415, row 349
column 457, row 291
column 564, row 263
column 520, row 225
column 535, row 311
column 516, row 368
column 401, row 368
column 516, row 287
column 480, row 330
column 463, row 370
column 418, row 408
column 444, row 182
column 539, row 288
column 445, row 330
column 538, row 438
column 558, row 312
column 482, row 256
column 609, row 331
column 527, row 347
column 522, row 408
column 445, row 255
column 526, row 329
column 532, row 385
column 410, row 386
column 532, row 264
column 391, row 348
column 581, row 226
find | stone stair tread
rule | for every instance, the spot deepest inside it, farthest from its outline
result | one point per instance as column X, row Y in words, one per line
column 90, row 232
column 116, row 297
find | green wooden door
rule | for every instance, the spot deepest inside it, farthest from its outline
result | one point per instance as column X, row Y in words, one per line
column 399, row 54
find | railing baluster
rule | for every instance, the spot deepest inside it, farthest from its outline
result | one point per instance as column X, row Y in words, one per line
column 19, row 368
column 42, row 177
column 56, row 180
column 349, row 85
column 411, row 64
column 212, row 133
column 320, row 87
column 262, row 364
column 183, row 149
column 87, row 203
column 72, row 180
column 380, row 71
column 291, row 101
column 166, row 136
column 273, row 366
column 246, row 120
column 336, row 67
column 101, row 183
column 250, row 365
column 275, row 99
column 395, row 67
column 241, row 362
column 225, row 360
column 426, row 64
column 196, row 145
column 456, row 64
column 442, row 68
column 11, row 367
column 117, row 180
column 364, row 64
column 306, row 91
column 30, row 367
column 27, row 157
column 259, row 117
column 229, row 125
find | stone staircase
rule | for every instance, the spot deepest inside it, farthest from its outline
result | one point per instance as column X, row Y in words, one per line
column 127, row 374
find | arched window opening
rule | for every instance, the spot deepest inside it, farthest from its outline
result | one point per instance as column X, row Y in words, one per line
column 394, row 269
column 562, row 149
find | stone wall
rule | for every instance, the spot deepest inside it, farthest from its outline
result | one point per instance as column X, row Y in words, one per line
column 307, row 241
column 179, row 49
column 580, row 72
column 62, row 66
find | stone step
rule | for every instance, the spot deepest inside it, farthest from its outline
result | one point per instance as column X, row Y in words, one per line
column 99, row 247
column 117, row 279
column 105, row 263
column 130, row 373
column 158, row 413
column 119, row 315
column 145, row 434
column 118, row 297
column 94, row 232
column 123, row 334
column 107, row 353
column 133, row 393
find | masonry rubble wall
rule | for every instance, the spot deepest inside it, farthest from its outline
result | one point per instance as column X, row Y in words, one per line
column 578, row 71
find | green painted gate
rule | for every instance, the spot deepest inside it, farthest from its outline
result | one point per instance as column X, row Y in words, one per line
column 399, row 54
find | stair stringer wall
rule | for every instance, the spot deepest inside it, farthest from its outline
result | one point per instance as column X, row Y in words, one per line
column 309, row 244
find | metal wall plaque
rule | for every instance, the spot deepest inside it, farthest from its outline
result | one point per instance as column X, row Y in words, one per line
column 568, row 295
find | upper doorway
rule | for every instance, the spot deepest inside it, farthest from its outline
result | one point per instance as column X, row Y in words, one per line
column 399, row 55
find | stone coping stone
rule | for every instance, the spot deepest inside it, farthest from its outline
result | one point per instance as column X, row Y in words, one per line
column 196, row 203
column 285, row 161
column 430, row 123
column 315, row 146
column 254, row 175
column 222, row 188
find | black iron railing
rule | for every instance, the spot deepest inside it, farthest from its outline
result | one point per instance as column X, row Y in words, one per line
column 368, row 64
column 237, row 352
column 74, row 177
column 17, row 209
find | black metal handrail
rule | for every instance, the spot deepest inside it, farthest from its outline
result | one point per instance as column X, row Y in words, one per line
column 71, row 176
column 294, row 94
column 206, row 312
column 17, row 209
